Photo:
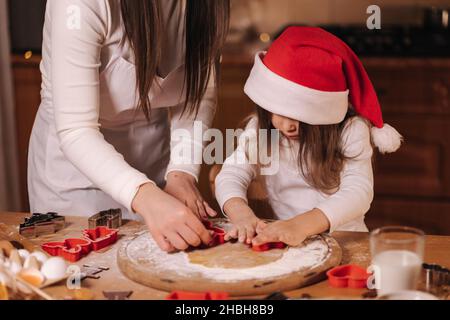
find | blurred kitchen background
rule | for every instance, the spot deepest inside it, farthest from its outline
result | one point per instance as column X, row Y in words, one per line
column 408, row 60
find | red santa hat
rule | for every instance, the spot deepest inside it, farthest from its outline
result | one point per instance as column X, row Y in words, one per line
column 310, row 75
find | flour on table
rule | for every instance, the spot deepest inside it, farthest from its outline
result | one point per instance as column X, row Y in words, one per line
column 144, row 251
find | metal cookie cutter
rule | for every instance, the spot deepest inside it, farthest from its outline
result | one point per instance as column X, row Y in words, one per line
column 436, row 279
column 41, row 224
column 92, row 271
column 109, row 218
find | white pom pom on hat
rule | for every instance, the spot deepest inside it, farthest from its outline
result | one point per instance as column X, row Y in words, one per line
column 386, row 139
column 310, row 75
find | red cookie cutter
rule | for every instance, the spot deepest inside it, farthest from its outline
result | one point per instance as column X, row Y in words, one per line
column 70, row 249
column 75, row 249
column 185, row 295
column 269, row 246
column 218, row 236
column 101, row 237
column 351, row 276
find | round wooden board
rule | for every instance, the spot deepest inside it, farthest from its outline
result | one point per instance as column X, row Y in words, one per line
column 154, row 275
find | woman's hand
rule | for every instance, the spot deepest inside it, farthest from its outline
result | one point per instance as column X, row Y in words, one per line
column 171, row 223
column 293, row 231
column 245, row 222
column 184, row 187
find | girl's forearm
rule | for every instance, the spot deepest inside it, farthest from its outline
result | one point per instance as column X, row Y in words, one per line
column 312, row 222
column 235, row 207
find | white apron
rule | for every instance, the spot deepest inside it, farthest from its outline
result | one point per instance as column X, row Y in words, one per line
column 54, row 184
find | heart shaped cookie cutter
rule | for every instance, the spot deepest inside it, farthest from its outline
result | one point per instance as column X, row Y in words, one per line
column 69, row 249
column 101, row 237
column 74, row 249
column 348, row 276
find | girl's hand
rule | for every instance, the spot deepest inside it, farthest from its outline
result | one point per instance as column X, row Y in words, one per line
column 184, row 187
column 243, row 219
column 171, row 223
column 293, row 231
column 286, row 231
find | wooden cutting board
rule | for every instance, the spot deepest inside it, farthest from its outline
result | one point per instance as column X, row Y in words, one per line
column 214, row 269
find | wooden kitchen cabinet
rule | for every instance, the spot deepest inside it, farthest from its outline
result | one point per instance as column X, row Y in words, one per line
column 27, row 86
column 412, row 186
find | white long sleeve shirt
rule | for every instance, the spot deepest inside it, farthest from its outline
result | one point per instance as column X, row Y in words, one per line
column 288, row 192
column 88, row 136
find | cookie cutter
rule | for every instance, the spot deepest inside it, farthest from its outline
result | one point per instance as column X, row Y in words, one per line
column 92, row 271
column 269, row 246
column 39, row 224
column 76, row 248
column 436, row 279
column 218, row 236
column 348, row 276
column 117, row 295
column 69, row 249
column 101, row 237
column 186, row 295
column 109, row 218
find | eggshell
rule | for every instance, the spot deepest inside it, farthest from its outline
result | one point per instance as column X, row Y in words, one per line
column 54, row 268
column 32, row 263
column 14, row 257
column 14, row 267
column 5, row 279
column 24, row 254
column 40, row 256
column 32, row 276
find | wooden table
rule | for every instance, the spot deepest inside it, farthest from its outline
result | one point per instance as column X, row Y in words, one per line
column 355, row 246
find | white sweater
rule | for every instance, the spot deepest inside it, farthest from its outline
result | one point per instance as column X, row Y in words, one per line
column 88, row 84
column 288, row 192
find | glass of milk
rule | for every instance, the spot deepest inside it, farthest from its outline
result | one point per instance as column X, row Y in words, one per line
column 397, row 256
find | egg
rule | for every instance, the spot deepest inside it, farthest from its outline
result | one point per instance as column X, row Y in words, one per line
column 40, row 256
column 54, row 268
column 24, row 254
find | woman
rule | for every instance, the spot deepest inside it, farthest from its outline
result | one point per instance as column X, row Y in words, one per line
column 118, row 77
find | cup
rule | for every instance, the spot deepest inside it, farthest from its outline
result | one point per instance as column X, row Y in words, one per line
column 397, row 256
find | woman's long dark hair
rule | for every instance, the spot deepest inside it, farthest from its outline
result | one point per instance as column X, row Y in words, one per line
column 320, row 157
column 206, row 30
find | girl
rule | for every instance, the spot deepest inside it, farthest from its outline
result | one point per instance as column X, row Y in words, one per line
column 302, row 87
column 118, row 77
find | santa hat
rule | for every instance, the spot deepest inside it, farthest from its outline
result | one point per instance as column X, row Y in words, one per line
column 310, row 75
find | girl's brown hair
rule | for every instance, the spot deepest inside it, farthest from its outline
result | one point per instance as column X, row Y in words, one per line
column 320, row 157
column 206, row 29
